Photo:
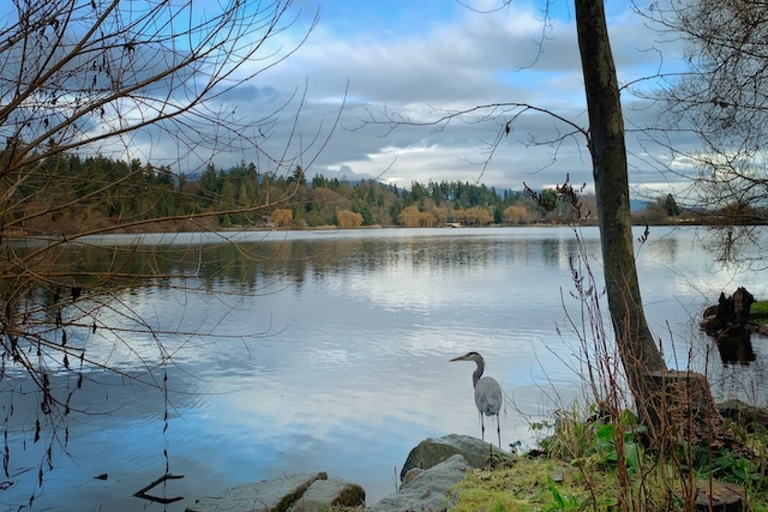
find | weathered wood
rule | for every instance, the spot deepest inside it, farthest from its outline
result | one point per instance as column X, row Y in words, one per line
column 681, row 406
column 730, row 313
column 716, row 496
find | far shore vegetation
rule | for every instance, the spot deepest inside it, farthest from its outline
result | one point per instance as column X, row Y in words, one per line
column 225, row 198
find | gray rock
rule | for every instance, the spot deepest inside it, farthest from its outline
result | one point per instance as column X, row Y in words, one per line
column 324, row 494
column 411, row 474
column 428, row 491
column 431, row 452
column 265, row 496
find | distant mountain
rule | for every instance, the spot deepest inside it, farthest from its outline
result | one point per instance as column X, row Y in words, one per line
column 636, row 205
column 345, row 173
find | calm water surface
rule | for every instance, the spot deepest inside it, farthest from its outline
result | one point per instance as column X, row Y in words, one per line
column 329, row 351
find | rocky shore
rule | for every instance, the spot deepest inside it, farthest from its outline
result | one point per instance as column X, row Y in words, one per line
column 429, row 473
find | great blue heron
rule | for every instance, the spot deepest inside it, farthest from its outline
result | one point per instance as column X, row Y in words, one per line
column 488, row 396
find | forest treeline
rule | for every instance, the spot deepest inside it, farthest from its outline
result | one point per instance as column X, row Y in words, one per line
column 73, row 194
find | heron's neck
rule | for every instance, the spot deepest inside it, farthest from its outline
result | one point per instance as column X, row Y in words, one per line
column 478, row 373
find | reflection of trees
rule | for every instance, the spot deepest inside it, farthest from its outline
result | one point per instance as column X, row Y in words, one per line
column 665, row 249
column 551, row 252
column 266, row 266
column 260, row 266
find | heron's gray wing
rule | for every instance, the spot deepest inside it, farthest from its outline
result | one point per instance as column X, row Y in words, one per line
column 488, row 396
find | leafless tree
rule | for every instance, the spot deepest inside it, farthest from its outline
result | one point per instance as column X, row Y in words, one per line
column 721, row 99
column 115, row 78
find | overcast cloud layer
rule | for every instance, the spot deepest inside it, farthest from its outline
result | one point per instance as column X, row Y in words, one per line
column 416, row 61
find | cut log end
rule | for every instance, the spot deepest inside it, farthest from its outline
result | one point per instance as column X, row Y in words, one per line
column 716, row 496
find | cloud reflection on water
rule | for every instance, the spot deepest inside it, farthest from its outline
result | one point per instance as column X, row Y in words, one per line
column 349, row 369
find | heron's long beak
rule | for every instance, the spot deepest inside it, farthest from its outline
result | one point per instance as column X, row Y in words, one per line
column 460, row 358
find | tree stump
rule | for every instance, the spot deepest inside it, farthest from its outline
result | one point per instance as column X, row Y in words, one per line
column 728, row 322
column 716, row 496
column 730, row 313
column 681, row 406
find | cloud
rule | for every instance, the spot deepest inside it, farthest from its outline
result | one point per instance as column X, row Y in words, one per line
column 366, row 63
column 458, row 62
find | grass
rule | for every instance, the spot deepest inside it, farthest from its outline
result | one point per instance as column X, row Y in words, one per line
column 759, row 312
column 525, row 486
column 581, row 471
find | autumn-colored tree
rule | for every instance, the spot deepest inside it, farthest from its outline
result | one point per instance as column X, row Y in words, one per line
column 427, row 220
column 442, row 214
column 474, row 216
column 346, row 219
column 410, row 217
column 281, row 217
column 515, row 214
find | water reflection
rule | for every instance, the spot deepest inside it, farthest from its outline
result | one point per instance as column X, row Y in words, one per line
column 735, row 347
column 345, row 365
column 252, row 264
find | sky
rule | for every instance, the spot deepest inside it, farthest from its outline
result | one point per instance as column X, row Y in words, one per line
column 358, row 65
column 399, row 59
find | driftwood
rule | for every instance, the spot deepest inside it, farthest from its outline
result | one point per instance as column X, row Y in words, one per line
column 142, row 493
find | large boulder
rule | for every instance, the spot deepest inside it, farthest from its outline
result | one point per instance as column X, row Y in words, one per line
column 431, row 452
column 305, row 492
column 429, row 490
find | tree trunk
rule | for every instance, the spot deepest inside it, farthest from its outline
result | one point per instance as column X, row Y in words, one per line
column 609, row 159
column 658, row 404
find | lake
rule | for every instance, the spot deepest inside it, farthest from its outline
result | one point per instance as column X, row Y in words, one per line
column 329, row 351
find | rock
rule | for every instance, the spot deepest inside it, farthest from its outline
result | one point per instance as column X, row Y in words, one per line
column 744, row 414
column 716, row 496
column 431, row 452
column 265, row 496
column 324, row 494
column 411, row 474
column 428, row 490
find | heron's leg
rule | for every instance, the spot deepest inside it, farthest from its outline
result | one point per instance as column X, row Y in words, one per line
column 482, row 427
column 498, row 428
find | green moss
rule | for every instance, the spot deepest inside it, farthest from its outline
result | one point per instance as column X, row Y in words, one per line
column 591, row 476
column 759, row 311
column 519, row 488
